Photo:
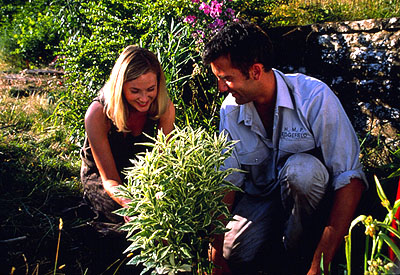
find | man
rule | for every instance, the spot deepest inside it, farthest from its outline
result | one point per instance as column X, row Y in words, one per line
column 297, row 146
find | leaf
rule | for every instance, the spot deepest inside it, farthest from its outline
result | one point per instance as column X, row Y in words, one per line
column 186, row 252
column 391, row 244
column 396, row 206
column 163, row 252
column 185, row 268
column 395, row 174
column 136, row 260
column 390, row 229
column 379, row 190
column 185, row 228
column 348, row 253
column 360, row 218
column 207, row 220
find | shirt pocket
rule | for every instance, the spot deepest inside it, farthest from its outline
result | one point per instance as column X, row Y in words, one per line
column 296, row 146
column 254, row 158
column 259, row 165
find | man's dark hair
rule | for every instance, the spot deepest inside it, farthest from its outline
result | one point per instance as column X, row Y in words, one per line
column 244, row 42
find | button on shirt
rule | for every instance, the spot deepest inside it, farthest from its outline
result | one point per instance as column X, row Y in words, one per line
column 308, row 118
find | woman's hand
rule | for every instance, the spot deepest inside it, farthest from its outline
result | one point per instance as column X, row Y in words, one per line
column 167, row 119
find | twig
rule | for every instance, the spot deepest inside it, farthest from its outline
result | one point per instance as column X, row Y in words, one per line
column 26, row 264
column 60, row 226
column 17, row 239
column 36, row 270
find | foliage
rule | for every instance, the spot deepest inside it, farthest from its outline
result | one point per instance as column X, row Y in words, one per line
column 159, row 26
column 396, row 173
column 260, row 12
column 91, row 52
column 298, row 12
column 30, row 32
column 375, row 260
column 176, row 192
column 37, row 168
column 380, row 155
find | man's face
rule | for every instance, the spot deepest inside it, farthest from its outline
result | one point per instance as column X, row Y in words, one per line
column 232, row 80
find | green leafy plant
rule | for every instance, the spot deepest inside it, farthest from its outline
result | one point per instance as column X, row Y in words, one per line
column 176, row 207
column 396, row 173
column 29, row 32
column 377, row 233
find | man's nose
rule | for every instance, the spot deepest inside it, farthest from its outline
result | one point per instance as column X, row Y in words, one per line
column 222, row 87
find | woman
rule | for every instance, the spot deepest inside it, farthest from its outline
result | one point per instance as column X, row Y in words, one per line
column 134, row 101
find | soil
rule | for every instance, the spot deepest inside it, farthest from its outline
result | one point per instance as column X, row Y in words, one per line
column 30, row 81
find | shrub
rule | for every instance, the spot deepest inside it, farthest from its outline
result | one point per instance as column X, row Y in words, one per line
column 176, row 206
column 30, row 32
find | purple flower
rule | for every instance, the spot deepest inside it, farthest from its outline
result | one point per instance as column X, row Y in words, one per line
column 230, row 12
column 217, row 24
column 195, row 1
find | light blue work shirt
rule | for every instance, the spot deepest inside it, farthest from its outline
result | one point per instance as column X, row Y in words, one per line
column 308, row 118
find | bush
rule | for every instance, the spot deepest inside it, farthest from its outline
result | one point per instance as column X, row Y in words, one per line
column 176, row 206
column 30, row 33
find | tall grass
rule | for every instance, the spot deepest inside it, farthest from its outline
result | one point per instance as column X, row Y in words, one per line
column 38, row 166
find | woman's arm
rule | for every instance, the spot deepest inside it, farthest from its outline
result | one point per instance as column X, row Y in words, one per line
column 167, row 119
column 97, row 126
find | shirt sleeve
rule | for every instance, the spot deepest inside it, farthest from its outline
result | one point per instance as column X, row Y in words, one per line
column 335, row 135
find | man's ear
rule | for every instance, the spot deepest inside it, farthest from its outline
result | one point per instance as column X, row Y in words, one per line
column 256, row 71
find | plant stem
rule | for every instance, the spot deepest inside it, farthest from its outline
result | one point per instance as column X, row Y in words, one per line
column 58, row 245
column 366, row 253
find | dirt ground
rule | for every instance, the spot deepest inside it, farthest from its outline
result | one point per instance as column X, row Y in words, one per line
column 31, row 80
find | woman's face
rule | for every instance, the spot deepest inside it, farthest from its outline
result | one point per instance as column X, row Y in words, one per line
column 141, row 92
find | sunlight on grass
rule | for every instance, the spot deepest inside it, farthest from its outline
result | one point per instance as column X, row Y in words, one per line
column 304, row 12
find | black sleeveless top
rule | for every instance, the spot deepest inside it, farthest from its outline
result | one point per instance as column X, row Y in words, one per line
column 124, row 149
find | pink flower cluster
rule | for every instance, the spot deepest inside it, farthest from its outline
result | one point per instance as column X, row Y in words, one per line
column 214, row 10
column 210, row 11
column 190, row 18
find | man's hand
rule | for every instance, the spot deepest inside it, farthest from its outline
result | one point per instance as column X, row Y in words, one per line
column 344, row 205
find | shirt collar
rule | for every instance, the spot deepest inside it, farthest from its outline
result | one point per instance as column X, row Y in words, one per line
column 283, row 99
column 246, row 113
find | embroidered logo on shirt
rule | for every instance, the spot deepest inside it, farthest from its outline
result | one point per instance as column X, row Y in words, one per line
column 294, row 133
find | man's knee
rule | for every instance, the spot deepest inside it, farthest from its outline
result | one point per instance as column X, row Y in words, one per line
column 304, row 173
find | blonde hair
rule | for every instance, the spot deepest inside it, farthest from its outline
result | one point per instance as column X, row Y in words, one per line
column 132, row 63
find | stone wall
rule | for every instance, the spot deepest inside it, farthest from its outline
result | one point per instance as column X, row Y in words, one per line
column 360, row 60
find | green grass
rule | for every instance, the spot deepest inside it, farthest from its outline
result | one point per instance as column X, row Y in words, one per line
column 304, row 12
column 38, row 166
